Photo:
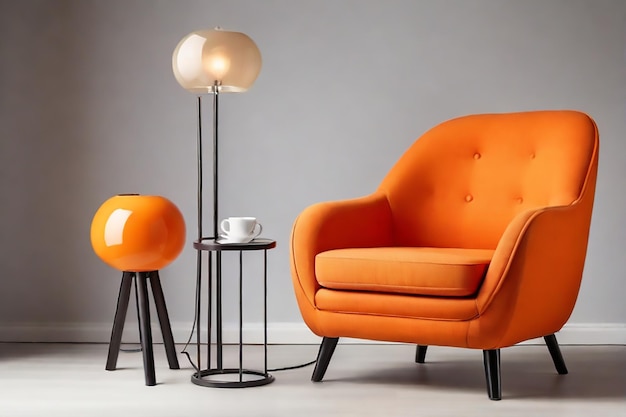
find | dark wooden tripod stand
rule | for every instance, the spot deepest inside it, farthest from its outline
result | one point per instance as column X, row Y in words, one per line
column 143, row 310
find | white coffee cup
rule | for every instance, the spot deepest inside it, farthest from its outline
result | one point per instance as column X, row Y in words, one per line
column 240, row 229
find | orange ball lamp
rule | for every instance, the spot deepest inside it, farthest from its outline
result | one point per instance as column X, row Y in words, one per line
column 138, row 235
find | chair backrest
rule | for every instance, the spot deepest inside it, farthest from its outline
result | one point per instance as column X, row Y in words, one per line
column 461, row 183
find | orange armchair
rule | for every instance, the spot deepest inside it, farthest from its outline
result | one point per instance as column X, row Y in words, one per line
column 476, row 238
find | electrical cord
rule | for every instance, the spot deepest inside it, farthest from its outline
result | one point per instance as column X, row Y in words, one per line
column 193, row 325
column 286, row 368
column 195, row 367
column 193, row 330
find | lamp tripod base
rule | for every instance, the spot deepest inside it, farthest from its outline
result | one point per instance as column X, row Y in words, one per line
column 140, row 280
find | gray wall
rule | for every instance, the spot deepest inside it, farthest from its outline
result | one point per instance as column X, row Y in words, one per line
column 89, row 108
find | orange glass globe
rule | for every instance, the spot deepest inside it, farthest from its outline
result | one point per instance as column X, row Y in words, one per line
column 138, row 233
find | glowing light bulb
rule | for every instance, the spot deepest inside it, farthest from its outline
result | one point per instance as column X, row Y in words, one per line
column 217, row 65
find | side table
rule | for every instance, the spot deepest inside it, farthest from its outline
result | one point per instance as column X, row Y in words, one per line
column 209, row 375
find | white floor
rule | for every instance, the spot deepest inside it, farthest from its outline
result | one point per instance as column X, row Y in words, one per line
column 362, row 380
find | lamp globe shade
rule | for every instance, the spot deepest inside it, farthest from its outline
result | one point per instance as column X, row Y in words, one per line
column 208, row 60
column 138, row 233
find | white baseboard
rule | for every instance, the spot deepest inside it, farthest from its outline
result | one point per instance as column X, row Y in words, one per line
column 589, row 334
column 277, row 333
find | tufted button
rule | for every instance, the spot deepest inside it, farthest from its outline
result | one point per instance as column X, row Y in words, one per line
column 469, row 198
column 532, row 155
column 477, row 155
column 520, row 200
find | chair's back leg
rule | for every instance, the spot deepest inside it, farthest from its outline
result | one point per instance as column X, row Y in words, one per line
column 420, row 353
column 555, row 352
column 491, row 359
column 323, row 357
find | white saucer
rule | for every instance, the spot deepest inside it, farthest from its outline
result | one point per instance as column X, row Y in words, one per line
column 225, row 240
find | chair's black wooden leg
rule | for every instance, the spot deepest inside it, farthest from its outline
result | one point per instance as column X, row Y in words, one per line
column 164, row 320
column 144, row 329
column 420, row 353
column 118, row 321
column 491, row 359
column 323, row 357
column 555, row 352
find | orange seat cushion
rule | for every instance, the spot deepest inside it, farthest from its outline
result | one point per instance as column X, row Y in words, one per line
column 448, row 272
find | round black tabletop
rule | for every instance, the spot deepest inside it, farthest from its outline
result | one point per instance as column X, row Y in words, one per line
column 212, row 244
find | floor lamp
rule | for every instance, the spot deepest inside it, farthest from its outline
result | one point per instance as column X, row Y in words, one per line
column 213, row 61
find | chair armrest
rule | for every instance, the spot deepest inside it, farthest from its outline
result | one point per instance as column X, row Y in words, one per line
column 532, row 283
column 360, row 222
